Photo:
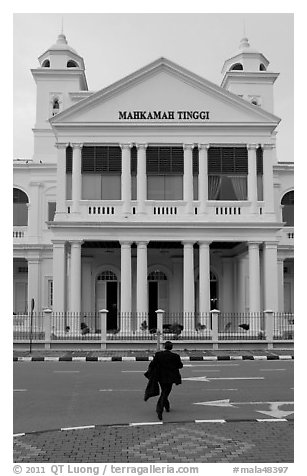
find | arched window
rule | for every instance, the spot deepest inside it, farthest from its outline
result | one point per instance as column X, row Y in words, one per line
column 46, row 64
column 20, row 208
column 107, row 276
column 236, row 67
column 72, row 64
column 288, row 208
column 262, row 67
column 157, row 276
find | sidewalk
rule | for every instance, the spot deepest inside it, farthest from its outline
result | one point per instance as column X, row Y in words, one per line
column 230, row 442
column 119, row 355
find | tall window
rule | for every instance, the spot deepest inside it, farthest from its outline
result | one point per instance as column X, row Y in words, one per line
column 288, row 208
column 164, row 168
column 227, row 173
column 55, row 106
column 20, row 208
column 101, row 172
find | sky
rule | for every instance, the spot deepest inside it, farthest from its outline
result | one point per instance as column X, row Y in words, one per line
column 114, row 45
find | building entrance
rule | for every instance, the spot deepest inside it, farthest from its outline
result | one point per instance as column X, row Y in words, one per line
column 152, row 304
column 107, row 297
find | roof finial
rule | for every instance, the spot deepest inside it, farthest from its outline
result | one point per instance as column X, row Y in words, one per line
column 244, row 28
column 62, row 26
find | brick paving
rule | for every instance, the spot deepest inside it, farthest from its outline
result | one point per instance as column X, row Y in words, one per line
column 231, row 442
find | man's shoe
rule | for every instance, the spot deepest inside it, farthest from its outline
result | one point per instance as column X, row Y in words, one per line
column 159, row 415
column 167, row 408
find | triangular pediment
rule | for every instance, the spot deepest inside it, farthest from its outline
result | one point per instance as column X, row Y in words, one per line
column 163, row 92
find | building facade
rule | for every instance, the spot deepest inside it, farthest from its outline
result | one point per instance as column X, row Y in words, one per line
column 162, row 190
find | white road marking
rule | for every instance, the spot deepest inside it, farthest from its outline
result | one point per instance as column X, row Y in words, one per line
column 210, row 421
column 121, row 390
column 273, row 412
column 206, row 370
column 77, row 427
column 271, row 370
column 208, row 379
column 20, row 390
column 18, row 434
column 66, row 371
column 270, row 419
column 210, row 365
column 147, row 423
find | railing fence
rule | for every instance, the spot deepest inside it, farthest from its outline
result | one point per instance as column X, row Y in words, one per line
column 102, row 327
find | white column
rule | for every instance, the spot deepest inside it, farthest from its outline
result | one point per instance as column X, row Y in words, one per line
column 61, row 181
column 254, row 285
column 34, row 282
column 76, row 178
column 268, row 183
column 141, row 286
column 240, row 285
column 141, row 177
column 188, row 177
column 75, row 277
column 252, row 177
column 59, row 276
column 126, row 178
column 34, row 211
column 204, row 283
column 86, row 285
column 270, row 277
column 188, row 286
column 125, row 288
column 281, row 284
column 203, row 176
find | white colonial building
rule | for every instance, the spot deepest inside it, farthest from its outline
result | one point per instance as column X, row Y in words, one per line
column 162, row 190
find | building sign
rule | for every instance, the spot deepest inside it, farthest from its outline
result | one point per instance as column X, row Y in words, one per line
column 162, row 115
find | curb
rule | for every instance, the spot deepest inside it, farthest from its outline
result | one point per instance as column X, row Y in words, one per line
column 153, row 423
column 148, row 358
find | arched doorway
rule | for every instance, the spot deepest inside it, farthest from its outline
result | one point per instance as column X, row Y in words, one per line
column 107, row 296
column 157, row 295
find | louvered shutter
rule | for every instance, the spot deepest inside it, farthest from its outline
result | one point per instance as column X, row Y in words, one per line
column 259, row 156
column 68, row 160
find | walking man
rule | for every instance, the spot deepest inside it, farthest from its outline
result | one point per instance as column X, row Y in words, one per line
column 167, row 365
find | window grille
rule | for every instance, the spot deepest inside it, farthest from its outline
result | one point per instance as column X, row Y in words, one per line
column 22, row 269
column 107, row 276
column 19, row 196
column 69, row 160
column 133, row 163
column 195, row 160
column 102, row 159
column 157, row 276
column 227, row 160
column 259, row 157
column 164, row 160
column 50, row 293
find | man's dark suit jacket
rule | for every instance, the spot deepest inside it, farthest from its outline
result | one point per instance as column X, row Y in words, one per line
column 167, row 365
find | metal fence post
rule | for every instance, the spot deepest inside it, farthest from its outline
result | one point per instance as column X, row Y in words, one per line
column 47, row 327
column 103, row 328
column 269, row 327
column 215, row 328
column 160, row 314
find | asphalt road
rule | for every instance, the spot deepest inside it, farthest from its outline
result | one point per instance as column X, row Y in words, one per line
column 53, row 395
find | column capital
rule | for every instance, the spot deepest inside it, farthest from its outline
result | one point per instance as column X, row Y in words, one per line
column 254, row 243
column 252, row 146
column 36, row 184
column 270, row 244
column 76, row 145
column 58, row 242
column 204, row 243
column 61, row 145
column 188, row 146
column 125, row 146
column 203, row 146
column 187, row 243
column 76, row 242
column 125, row 243
column 141, row 243
column 141, row 146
